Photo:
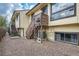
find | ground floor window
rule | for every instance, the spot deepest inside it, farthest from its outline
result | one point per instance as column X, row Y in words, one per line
column 67, row 37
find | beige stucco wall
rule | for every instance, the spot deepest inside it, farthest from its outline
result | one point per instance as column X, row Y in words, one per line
column 50, row 34
column 71, row 20
column 49, row 15
column 77, row 12
column 24, row 21
column 68, row 28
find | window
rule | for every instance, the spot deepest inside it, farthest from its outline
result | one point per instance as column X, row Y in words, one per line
column 66, row 37
column 62, row 36
column 74, row 38
column 45, row 10
column 62, row 10
column 57, row 36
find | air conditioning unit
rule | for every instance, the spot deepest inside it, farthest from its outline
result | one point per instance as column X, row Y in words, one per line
column 39, row 40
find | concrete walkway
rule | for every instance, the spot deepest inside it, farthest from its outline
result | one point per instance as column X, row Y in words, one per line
column 24, row 47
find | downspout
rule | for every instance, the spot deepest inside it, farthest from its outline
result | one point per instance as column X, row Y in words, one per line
column 77, row 22
column 41, row 28
column 19, row 25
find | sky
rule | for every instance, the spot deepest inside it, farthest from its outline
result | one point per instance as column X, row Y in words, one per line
column 6, row 9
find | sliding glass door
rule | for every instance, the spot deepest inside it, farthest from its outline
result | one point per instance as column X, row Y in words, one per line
column 66, row 37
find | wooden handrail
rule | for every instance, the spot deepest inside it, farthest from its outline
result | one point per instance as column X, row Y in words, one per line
column 43, row 20
column 30, row 29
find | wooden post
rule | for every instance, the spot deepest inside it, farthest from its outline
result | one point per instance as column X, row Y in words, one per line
column 34, row 28
column 78, row 38
column 41, row 28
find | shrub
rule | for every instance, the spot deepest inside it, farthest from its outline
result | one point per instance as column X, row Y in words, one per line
column 44, row 35
column 2, row 33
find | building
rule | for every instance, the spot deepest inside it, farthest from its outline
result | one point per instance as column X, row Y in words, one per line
column 59, row 22
column 19, row 21
column 51, row 21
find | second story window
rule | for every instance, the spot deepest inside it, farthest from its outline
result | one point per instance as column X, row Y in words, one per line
column 62, row 10
column 45, row 10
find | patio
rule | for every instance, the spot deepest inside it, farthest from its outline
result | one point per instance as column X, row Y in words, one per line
column 24, row 47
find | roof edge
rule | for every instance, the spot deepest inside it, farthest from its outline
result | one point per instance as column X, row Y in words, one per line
column 33, row 8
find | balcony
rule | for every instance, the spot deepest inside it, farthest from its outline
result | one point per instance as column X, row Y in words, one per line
column 37, row 21
column 41, row 19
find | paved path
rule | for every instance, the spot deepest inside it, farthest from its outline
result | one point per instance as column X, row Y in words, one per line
column 24, row 47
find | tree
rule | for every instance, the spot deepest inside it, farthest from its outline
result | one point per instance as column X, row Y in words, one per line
column 2, row 27
column 3, row 22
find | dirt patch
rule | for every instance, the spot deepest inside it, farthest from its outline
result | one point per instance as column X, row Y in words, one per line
column 25, row 47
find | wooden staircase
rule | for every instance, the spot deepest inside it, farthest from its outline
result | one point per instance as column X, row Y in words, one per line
column 35, row 25
column 30, row 30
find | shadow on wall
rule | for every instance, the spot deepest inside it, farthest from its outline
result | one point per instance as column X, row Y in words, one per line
column 14, row 31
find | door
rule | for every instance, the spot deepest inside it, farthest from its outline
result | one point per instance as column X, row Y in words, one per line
column 57, row 37
column 66, row 37
column 22, row 33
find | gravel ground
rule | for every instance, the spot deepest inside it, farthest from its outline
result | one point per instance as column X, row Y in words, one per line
column 24, row 47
